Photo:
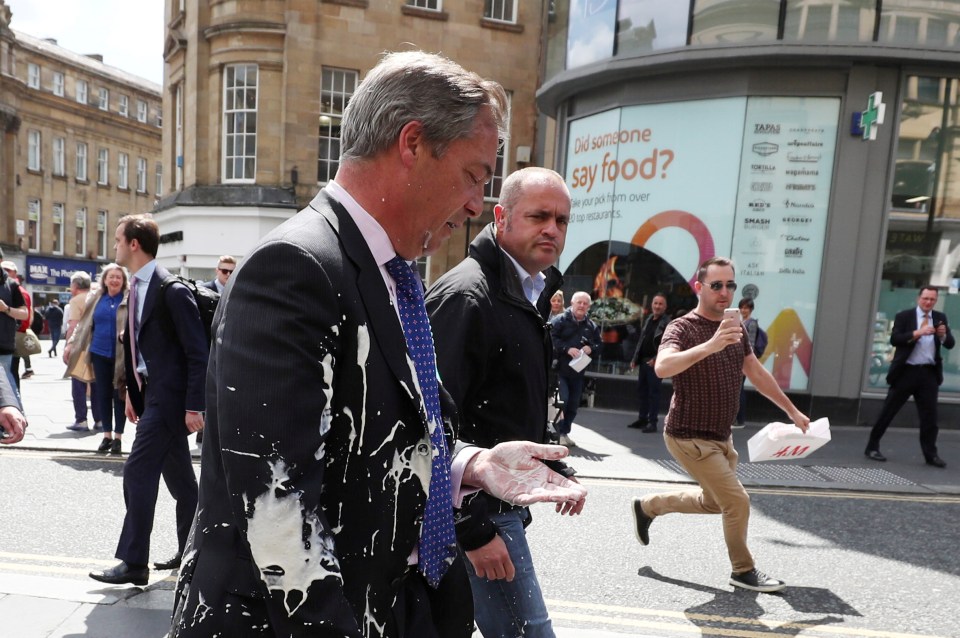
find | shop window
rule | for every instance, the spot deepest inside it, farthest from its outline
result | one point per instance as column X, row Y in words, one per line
column 922, row 246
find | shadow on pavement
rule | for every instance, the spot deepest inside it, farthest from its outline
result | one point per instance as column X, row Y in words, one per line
column 92, row 464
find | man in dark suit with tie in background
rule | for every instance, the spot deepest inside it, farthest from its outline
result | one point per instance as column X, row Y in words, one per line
column 917, row 371
column 326, row 493
column 165, row 348
column 644, row 358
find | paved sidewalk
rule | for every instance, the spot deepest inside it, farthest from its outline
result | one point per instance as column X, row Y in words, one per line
column 46, row 607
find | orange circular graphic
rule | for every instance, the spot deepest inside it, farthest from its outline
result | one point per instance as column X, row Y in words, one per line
column 678, row 219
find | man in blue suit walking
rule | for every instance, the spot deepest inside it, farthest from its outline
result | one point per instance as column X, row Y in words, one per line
column 165, row 351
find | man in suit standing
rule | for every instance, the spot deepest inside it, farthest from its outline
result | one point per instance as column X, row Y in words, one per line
column 225, row 267
column 326, row 492
column 165, row 350
column 917, row 371
column 648, row 383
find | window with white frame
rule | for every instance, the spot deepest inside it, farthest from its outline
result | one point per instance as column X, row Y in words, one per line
column 141, row 175
column 57, row 229
column 492, row 189
column 103, row 99
column 123, row 107
column 59, row 156
column 123, row 161
column 82, row 161
column 240, row 122
column 141, row 111
column 500, row 10
column 82, row 91
column 433, row 5
column 33, row 150
column 103, row 166
column 158, row 185
column 336, row 88
column 80, row 239
column 101, row 234
column 33, row 75
column 178, row 140
column 33, row 225
column 58, row 84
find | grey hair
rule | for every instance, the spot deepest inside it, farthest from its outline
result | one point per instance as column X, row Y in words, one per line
column 81, row 280
column 417, row 86
column 516, row 181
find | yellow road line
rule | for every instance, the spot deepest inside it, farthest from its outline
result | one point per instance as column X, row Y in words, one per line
column 765, row 627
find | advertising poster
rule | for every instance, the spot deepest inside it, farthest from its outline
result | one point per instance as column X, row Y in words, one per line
column 654, row 189
column 781, row 217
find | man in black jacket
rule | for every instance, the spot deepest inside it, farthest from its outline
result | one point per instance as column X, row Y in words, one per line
column 574, row 334
column 488, row 316
column 648, row 383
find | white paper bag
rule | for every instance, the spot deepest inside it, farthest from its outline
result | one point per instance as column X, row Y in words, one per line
column 580, row 362
column 779, row 441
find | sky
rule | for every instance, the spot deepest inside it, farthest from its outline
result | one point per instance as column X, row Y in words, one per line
column 129, row 34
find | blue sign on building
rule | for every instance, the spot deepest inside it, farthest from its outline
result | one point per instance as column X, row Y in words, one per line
column 53, row 271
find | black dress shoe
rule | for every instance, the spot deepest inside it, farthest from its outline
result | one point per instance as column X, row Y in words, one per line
column 875, row 455
column 936, row 461
column 649, row 429
column 122, row 574
column 638, row 424
column 171, row 563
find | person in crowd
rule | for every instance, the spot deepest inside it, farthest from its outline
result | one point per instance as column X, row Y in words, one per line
column 644, row 359
column 493, row 355
column 81, row 376
column 54, row 316
column 345, row 399
column 225, row 267
column 573, row 333
column 165, row 356
column 95, row 340
column 917, row 371
column 13, row 425
column 752, row 327
column 706, row 354
column 556, row 305
column 13, row 310
column 14, row 276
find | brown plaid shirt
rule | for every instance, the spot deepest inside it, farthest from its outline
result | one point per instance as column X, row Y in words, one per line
column 706, row 396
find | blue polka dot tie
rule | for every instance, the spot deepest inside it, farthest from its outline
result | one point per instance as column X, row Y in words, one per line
column 437, row 539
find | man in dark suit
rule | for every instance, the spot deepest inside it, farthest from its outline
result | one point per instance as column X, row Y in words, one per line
column 917, row 371
column 645, row 356
column 165, row 349
column 317, row 462
column 225, row 267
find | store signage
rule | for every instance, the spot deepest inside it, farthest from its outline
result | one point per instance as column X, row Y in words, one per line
column 866, row 123
column 56, row 272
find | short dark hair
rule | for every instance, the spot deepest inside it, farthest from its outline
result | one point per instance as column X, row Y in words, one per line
column 144, row 229
column 713, row 261
column 659, row 294
column 933, row 288
column 746, row 302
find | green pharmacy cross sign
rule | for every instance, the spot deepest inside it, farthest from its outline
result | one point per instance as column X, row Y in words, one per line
column 866, row 123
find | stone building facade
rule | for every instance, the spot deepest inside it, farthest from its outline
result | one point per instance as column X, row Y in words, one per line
column 80, row 147
column 254, row 90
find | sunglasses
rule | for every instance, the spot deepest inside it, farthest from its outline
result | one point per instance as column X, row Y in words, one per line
column 717, row 286
column 227, row 271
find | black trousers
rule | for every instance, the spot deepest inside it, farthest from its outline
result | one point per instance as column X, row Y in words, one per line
column 919, row 382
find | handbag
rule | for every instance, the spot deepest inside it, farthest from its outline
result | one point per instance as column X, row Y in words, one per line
column 27, row 344
column 782, row 441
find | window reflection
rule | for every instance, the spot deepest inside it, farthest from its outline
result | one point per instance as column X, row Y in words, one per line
column 909, row 22
column 735, row 21
column 646, row 25
column 829, row 20
column 923, row 239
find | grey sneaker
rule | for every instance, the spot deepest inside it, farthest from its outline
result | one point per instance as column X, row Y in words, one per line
column 79, row 426
column 756, row 580
column 641, row 523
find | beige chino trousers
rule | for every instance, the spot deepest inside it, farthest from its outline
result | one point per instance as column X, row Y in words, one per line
column 712, row 464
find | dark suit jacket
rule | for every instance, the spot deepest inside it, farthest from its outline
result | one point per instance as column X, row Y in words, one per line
column 212, row 285
column 657, row 335
column 174, row 347
column 316, row 454
column 902, row 338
